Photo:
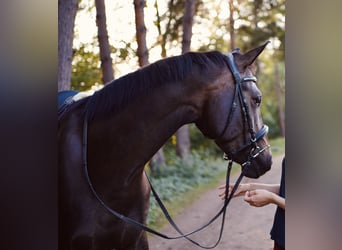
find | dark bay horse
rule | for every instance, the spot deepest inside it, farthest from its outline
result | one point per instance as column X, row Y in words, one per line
column 128, row 121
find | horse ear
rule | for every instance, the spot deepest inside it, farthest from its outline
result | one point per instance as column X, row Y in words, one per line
column 244, row 60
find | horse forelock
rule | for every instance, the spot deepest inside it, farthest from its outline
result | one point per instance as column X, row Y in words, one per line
column 117, row 94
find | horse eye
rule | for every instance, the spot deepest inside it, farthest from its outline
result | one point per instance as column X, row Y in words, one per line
column 257, row 100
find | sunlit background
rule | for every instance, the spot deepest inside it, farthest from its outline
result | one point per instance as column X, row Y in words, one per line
column 121, row 29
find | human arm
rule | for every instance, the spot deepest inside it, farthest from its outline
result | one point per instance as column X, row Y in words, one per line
column 243, row 188
column 262, row 197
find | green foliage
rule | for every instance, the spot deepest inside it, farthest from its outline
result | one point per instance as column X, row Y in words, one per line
column 86, row 65
column 199, row 143
column 278, row 146
column 202, row 144
column 181, row 176
column 261, row 21
column 170, row 22
column 268, row 86
column 86, row 69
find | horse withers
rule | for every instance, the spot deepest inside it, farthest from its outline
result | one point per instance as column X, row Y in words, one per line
column 105, row 140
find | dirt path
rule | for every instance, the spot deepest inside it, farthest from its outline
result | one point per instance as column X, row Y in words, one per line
column 246, row 227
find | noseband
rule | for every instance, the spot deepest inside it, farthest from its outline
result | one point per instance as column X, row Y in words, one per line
column 238, row 94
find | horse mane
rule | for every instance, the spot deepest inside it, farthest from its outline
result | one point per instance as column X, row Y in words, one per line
column 118, row 93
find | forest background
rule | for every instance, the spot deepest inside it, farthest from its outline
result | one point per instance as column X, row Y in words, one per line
column 102, row 40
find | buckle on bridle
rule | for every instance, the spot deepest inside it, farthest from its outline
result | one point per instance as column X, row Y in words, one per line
column 254, row 153
column 258, row 151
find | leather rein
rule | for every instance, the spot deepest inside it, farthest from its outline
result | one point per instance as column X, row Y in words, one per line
column 255, row 151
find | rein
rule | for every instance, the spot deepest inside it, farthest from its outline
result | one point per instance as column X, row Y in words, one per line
column 255, row 151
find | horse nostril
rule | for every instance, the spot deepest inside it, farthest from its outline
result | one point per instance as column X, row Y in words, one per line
column 257, row 100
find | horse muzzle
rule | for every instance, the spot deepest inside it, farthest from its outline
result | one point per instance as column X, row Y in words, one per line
column 258, row 162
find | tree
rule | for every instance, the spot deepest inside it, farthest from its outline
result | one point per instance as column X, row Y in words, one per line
column 231, row 24
column 142, row 52
column 189, row 12
column 170, row 26
column 262, row 21
column 102, row 34
column 66, row 19
column 182, row 135
column 170, row 23
column 141, row 32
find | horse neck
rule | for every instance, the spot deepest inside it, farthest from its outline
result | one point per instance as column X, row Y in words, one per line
column 133, row 136
column 157, row 116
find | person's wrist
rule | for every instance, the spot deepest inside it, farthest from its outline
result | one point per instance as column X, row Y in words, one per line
column 273, row 198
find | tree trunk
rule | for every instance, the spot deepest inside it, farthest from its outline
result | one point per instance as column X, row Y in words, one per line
column 102, row 34
column 281, row 115
column 66, row 20
column 141, row 32
column 158, row 159
column 231, row 25
column 189, row 12
column 182, row 135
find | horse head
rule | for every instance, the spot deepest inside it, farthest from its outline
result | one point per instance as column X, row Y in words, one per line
column 231, row 115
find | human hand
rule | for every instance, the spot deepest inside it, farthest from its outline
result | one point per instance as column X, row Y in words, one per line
column 240, row 191
column 258, row 197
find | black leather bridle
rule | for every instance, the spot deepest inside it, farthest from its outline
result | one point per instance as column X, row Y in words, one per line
column 239, row 96
column 255, row 151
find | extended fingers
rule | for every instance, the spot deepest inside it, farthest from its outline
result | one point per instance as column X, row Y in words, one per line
column 222, row 195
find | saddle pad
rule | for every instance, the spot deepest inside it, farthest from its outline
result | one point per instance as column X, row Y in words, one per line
column 65, row 98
